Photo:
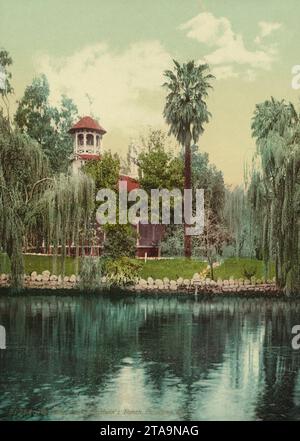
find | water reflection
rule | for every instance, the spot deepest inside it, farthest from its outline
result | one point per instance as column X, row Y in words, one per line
column 146, row 358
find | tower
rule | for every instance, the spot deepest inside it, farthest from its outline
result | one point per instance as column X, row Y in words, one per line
column 87, row 134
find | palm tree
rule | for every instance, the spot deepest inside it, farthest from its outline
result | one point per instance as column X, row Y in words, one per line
column 186, row 112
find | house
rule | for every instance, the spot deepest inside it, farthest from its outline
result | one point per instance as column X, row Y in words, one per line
column 88, row 134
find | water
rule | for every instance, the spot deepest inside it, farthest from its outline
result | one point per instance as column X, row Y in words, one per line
column 106, row 358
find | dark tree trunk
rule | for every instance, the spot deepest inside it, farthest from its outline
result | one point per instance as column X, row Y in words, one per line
column 187, row 185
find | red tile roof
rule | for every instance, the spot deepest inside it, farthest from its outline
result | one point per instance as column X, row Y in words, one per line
column 87, row 123
column 132, row 183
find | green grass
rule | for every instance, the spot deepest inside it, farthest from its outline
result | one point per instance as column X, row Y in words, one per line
column 236, row 268
column 171, row 268
column 40, row 264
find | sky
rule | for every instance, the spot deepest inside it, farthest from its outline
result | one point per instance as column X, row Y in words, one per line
column 109, row 56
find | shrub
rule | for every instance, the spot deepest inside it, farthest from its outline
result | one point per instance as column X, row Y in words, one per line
column 120, row 241
column 122, row 272
column 249, row 270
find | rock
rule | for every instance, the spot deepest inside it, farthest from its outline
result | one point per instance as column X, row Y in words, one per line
column 166, row 281
column 66, row 279
column 39, row 278
column 159, row 282
column 33, row 276
column 225, row 282
column 186, row 282
column 73, row 278
column 46, row 273
column 179, row 281
column 247, row 282
column 150, row 281
column 173, row 285
column 231, row 281
column 53, row 278
column 219, row 282
column 143, row 282
column 4, row 277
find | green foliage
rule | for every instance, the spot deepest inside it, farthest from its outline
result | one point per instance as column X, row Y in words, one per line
column 158, row 168
column 274, row 189
column 172, row 243
column 69, row 206
column 120, row 241
column 238, row 218
column 206, row 176
column 122, row 271
column 250, row 270
column 186, row 110
column 23, row 176
column 5, row 63
column 105, row 173
column 186, row 113
column 91, row 269
column 46, row 124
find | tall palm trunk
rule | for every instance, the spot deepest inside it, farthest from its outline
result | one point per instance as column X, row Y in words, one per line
column 187, row 185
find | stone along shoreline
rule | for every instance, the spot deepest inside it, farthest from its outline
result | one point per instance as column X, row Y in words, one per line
column 196, row 284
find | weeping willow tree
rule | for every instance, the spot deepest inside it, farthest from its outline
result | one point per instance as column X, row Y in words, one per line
column 23, row 176
column 236, row 216
column 68, row 206
column 274, row 189
column 31, row 201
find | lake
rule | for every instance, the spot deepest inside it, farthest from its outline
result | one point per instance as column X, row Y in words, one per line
column 146, row 358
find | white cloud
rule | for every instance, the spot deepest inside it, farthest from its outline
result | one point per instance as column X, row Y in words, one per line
column 228, row 48
column 266, row 28
column 223, row 72
column 123, row 85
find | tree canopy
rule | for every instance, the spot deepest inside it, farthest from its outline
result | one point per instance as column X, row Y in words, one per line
column 46, row 124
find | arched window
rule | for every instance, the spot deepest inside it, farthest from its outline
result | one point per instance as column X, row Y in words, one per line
column 80, row 138
column 89, row 139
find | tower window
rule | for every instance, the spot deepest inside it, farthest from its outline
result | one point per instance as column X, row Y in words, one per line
column 97, row 141
column 80, row 139
column 90, row 139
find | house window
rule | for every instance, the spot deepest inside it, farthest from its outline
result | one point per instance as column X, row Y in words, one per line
column 97, row 141
column 80, row 139
column 89, row 139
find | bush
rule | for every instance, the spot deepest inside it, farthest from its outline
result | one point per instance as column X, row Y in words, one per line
column 122, row 272
column 120, row 241
column 249, row 270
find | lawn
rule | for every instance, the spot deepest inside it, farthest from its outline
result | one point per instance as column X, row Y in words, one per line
column 238, row 269
column 40, row 263
column 157, row 269
column 172, row 268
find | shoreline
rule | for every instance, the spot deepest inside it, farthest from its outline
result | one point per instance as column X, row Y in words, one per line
column 47, row 284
